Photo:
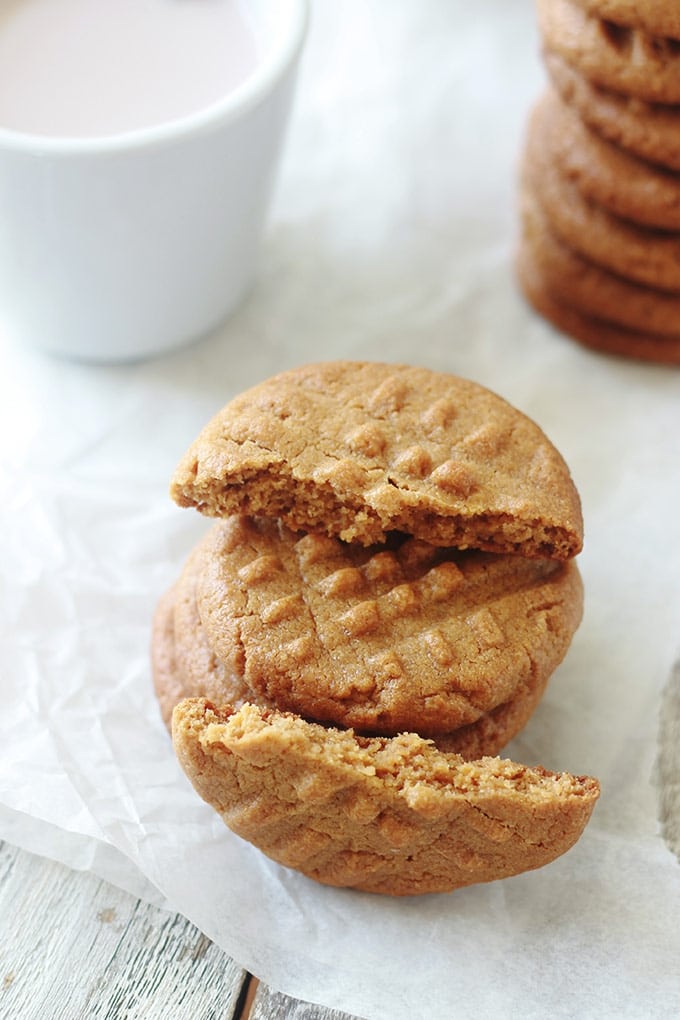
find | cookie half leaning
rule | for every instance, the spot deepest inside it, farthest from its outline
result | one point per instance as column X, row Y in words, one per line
column 384, row 815
column 360, row 449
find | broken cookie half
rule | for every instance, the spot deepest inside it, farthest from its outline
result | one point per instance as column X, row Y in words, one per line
column 384, row 815
column 358, row 449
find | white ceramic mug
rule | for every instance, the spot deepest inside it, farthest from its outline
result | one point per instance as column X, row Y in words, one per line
column 121, row 247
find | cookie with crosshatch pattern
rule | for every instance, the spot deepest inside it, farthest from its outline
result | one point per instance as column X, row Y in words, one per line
column 183, row 663
column 399, row 636
column 185, row 666
column 384, row 815
column 360, row 449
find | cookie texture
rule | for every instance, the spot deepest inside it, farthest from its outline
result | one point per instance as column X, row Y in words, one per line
column 488, row 735
column 392, row 816
column 599, row 248
column 615, row 56
column 649, row 130
column 409, row 636
column 204, row 673
column 594, row 291
column 658, row 17
column 493, row 730
column 167, row 679
column 597, row 334
column 604, row 173
column 637, row 253
column 360, row 449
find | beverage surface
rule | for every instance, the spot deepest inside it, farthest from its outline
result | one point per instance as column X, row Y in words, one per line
column 79, row 68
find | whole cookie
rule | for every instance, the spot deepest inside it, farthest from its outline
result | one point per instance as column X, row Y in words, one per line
column 627, row 186
column 615, row 56
column 586, row 287
column 197, row 672
column 637, row 253
column 406, row 636
column 658, row 17
column 361, row 449
column 650, row 130
column 594, row 333
column 392, row 816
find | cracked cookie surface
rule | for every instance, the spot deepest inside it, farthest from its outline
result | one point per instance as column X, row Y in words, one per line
column 360, row 449
column 384, row 815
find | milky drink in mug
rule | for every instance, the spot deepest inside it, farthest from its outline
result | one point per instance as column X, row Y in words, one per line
column 101, row 67
column 138, row 146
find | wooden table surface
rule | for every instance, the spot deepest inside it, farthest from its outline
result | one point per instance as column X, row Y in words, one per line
column 73, row 947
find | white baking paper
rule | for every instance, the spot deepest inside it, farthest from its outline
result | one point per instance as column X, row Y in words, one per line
column 391, row 237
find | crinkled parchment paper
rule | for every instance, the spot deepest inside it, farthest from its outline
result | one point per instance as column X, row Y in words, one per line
column 391, row 237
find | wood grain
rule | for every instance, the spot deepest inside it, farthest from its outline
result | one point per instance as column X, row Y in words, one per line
column 270, row 1005
column 73, row 947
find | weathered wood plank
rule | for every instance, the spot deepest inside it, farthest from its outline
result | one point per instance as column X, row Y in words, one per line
column 72, row 947
column 270, row 1005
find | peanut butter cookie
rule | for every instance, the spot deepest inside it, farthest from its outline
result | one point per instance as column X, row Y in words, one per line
column 636, row 253
column 392, row 816
column 658, row 17
column 604, row 173
column 649, row 130
column 360, row 449
column 186, row 666
column 607, row 337
column 404, row 637
column 594, row 291
column 616, row 56
column 394, row 562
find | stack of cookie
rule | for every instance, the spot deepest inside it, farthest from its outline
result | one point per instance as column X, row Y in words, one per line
column 600, row 249
column 389, row 585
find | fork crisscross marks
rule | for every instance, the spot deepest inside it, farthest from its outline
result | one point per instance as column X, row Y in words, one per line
column 383, row 639
column 359, row 449
column 392, row 815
